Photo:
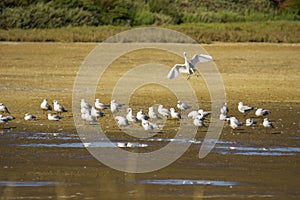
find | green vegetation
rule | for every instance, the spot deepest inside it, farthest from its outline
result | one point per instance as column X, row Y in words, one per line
column 272, row 31
column 27, row 14
column 204, row 20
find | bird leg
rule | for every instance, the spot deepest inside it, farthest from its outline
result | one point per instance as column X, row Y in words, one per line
column 197, row 73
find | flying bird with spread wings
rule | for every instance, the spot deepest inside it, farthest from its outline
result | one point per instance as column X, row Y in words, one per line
column 189, row 65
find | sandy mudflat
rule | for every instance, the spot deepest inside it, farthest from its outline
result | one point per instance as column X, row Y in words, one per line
column 260, row 75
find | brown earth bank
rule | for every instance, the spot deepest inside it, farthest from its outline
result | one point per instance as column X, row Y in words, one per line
column 259, row 74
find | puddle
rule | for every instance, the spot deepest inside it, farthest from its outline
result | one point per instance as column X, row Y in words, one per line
column 47, row 136
column 88, row 144
column 72, row 140
column 31, row 183
column 187, row 182
column 258, row 151
column 183, row 140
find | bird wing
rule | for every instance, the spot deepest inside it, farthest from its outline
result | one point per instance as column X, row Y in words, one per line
column 178, row 68
column 200, row 58
column 246, row 108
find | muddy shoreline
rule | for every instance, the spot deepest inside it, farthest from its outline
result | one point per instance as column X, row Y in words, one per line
column 263, row 165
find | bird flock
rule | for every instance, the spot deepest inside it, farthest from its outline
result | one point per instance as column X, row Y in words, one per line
column 45, row 106
column 234, row 123
column 91, row 113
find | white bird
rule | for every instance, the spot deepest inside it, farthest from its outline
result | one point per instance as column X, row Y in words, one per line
column 121, row 121
column 85, row 104
column 96, row 113
column 53, row 117
column 174, row 114
column 58, row 108
column 3, row 108
column 29, row 117
column 3, row 122
column 88, row 117
column 193, row 114
column 163, row 111
column 224, row 109
column 267, row 123
column 152, row 114
column 100, row 105
column 189, row 65
column 149, row 126
column 199, row 122
column 234, row 122
column 114, row 106
column 6, row 118
column 45, row 105
column 182, row 106
column 224, row 117
column 146, row 125
column 260, row 112
column 85, row 110
column 141, row 115
column 244, row 109
column 130, row 117
column 250, row 122
column 202, row 114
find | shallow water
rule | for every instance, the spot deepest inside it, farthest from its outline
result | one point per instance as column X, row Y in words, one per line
column 57, row 165
column 187, row 182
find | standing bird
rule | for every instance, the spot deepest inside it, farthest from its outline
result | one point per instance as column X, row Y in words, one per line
column 141, row 115
column 189, row 65
column 223, row 117
column 58, row 108
column 3, row 108
column 114, row 106
column 267, row 124
column 88, row 117
column 260, row 112
column 96, row 113
column 224, row 109
column 234, row 123
column 244, row 109
column 163, row 111
column 130, row 117
column 85, row 104
column 45, row 105
column 193, row 114
column 174, row 114
column 182, row 106
column 152, row 114
column 121, row 121
column 198, row 122
column 149, row 126
column 203, row 114
column 100, row 105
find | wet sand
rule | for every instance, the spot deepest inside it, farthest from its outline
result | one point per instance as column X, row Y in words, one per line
column 263, row 165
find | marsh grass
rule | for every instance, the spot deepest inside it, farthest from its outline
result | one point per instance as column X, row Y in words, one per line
column 269, row 31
